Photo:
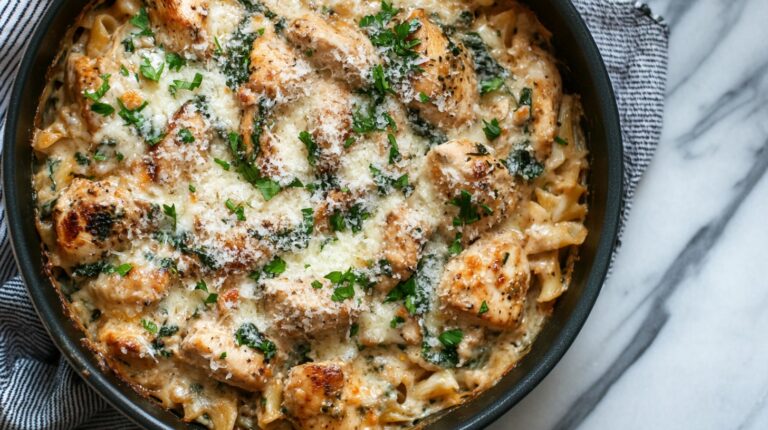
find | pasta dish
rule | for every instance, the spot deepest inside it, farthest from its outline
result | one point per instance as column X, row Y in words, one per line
column 309, row 214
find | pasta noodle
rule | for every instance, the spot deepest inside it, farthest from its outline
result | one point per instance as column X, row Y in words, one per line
column 326, row 214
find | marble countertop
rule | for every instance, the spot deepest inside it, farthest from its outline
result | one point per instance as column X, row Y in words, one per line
column 678, row 338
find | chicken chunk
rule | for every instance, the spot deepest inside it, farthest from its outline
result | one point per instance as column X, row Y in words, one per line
column 83, row 74
column 93, row 217
column 141, row 286
column 448, row 78
column 335, row 46
column 127, row 340
column 213, row 347
column 229, row 249
column 330, row 124
column 276, row 72
column 183, row 148
column 313, row 395
column 537, row 69
column 480, row 188
column 183, row 22
column 493, row 271
column 298, row 308
column 406, row 234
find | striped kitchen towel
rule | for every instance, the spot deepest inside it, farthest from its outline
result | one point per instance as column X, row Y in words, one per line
column 38, row 390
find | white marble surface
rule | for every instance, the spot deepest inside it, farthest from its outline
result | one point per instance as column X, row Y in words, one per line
column 679, row 336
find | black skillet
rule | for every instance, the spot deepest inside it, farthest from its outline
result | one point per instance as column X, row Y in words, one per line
column 584, row 74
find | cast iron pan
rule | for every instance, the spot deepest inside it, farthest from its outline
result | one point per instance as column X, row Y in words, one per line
column 584, row 74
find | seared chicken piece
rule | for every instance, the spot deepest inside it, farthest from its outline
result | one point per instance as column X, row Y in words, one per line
column 212, row 346
column 231, row 250
column 335, row 46
column 183, row 148
column 126, row 340
column 313, row 395
column 300, row 309
column 479, row 187
column 184, row 22
column 94, row 217
column 537, row 68
column 493, row 271
column 83, row 75
column 448, row 78
column 276, row 72
column 330, row 125
column 406, row 234
column 143, row 285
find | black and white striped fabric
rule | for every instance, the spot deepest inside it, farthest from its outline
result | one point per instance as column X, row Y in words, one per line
column 38, row 390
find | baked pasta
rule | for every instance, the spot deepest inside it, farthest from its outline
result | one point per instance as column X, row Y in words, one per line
column 322, row 214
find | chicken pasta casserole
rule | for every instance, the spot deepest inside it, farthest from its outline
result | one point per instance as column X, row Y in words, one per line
column 309, row 214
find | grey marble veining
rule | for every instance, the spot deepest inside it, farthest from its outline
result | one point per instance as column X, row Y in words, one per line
column 679, row 336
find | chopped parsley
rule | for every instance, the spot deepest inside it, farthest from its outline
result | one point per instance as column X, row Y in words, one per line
column 483, row 308
column 468, row 212
column 141, row 21
column 381, row 82
column 238, row 210
column 149, row 326
column 251, row 337
column 175, row 61
column 491, row 129
column 343, row 293
column 201, row 285
column 455, row 247
column 317, row 284
column 423, row 97
column 312, row 149
column 248, row 172
column 396, row 321
column 211, row 299
column 186, row 136
column 131, row 116
column 170, row 212
column 344, row 283
column 104, row 109
column 451, row 338
column 124, row 71
column 224, row 165
column 150, row 72
column 385, row 183
column 352, row 218
column 185, row 85
column 491, row 85
column 560, row 141
column 103, row 88
column 191, row 188
column 97, row 106
column 124, row 268
column 394, row 150
column 275, row 267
